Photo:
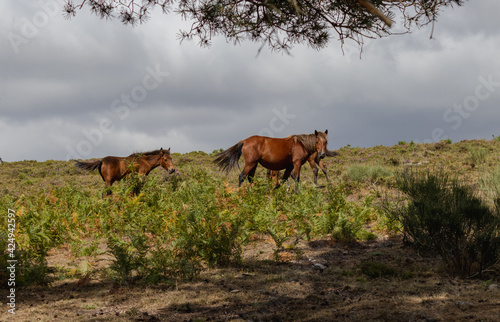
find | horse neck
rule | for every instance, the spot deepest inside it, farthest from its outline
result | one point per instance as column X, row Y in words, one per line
column 152, row 161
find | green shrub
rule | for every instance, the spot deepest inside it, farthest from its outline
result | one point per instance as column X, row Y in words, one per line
column 341, row 219
column 284, row 216
column 133, row 183
column 129, row 256
column 205, row 227
column 42, row 223
column 370, row 173
column 215, row 237
column 445, row 216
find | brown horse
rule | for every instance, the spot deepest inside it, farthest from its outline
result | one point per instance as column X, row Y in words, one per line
column 313, row 160
column 274, row 154
column 113, row 169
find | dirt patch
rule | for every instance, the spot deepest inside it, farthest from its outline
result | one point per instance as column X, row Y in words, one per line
column 379, row 280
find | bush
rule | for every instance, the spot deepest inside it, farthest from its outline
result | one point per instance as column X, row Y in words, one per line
column 206, row 227
column 341, row 219
column 134, row 183
column 129, row 256
column 37, row 231
column 447, row 217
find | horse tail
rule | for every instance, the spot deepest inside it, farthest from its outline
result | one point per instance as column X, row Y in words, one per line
column 92, row 165
column 330, row 153
column 228, row 160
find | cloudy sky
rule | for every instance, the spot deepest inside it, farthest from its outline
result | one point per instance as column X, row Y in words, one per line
column 88, row 88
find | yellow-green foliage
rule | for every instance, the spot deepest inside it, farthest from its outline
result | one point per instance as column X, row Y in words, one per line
column 168, row 227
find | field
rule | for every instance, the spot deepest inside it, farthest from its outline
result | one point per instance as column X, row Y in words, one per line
column 192, row 246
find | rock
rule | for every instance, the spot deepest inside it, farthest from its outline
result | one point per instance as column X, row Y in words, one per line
column 319, row 267
column 463, row 305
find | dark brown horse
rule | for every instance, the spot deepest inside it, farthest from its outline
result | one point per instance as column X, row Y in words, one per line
column 274, row 154
column 314, row 161
column 113, row 169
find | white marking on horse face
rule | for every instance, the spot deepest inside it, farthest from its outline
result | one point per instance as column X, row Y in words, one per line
column 321, row 144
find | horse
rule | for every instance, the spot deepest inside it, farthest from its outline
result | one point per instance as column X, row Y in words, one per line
column 288, row 153
column 113, row 169
column 313, row 160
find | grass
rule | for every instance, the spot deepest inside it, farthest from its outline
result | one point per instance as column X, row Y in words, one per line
column 371, row 173
column 478, row 155
column 490, row 184
column 377, row 269
column 205, row 247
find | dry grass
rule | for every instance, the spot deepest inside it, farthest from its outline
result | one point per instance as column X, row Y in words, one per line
column 293, row 290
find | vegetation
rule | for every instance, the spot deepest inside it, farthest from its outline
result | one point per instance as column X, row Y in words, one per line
column 448, row 217
column 279, row 24
column 371, row 173
column 158, row 231
column 196, row 225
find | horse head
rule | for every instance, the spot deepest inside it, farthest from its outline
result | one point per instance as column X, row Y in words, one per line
column 166, row 160
column 321, row 142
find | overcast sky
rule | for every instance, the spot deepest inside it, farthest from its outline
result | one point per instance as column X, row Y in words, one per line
column 88, row 88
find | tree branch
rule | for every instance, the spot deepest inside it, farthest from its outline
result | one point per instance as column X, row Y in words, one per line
column 371, row 8
column 279, row 23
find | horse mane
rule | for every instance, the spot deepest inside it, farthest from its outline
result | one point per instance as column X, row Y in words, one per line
column 309, row 140
column 139, row 154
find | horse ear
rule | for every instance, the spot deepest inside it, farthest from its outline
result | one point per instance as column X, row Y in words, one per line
column 326, row 131
column 168, row 151
column 315, row 132
column 161, row 151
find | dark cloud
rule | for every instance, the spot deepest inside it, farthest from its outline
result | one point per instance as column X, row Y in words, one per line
column 90, row 88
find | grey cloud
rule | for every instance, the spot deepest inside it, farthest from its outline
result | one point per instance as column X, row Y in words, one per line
column 65, row 82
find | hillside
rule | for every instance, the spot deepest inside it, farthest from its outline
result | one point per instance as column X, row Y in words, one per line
column 191, row 246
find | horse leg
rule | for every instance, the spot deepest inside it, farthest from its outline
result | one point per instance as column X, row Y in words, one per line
column 323, row 167
column 287, row 173
column 296, row 174
column 274, row 175
column 241, row 178
column 251, row 174
column 312, row 163
column 248, row 169
column 108, row 179
column 277, row 177
column 107, row 189
column 315, row 174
